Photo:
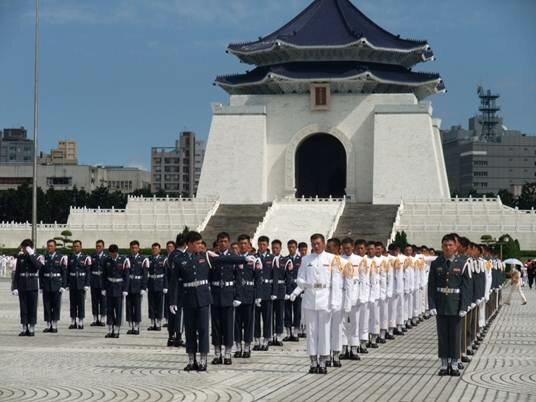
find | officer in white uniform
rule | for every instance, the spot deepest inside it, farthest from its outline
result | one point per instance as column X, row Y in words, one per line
column 321, row 286
column 364, row 295
column 374, row 299
column 383, row 263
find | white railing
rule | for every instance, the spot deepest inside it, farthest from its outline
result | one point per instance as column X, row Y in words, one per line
column 396, row 223
column 210, row 214
column 337, row 218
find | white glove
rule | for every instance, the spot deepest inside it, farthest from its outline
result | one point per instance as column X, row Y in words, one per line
column 125, row 293
column 258, row 302
column 143, row 292
column 67, row 289
column 15, row 292
column 462, row 313
column 250, row 259
column 173, row 309
column 29, row 250
column 86, row 288
column 62, row 290
column 473, row 305
column 433, row 311
column 164, row 291
column 273, row 297
column 236, row 303
column 287, row 297
column 212, row 254
column 292, row 296
column 103, row 292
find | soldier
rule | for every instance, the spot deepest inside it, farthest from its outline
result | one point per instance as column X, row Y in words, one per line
column 340, row 304
column 25, row 285
column 360, row 248
column 281, row 266
column 98, row 301
column 265, row 295
column 193, row 267
column 303, row 250
column 398, row 289
column 52, row 282
column 170, row 247
column 320, row 287
column 157, row 287
column 175, row 324
column 292, row 308
column 234, row 248
column 78, row 269
column 223, row 280
column 374, row 301
column 448, row 299
column 137, row 287
column 244, row 303
column 386, row 279
column 351, row 319
column 408, row 286
column 115, row 276
column 467, row 322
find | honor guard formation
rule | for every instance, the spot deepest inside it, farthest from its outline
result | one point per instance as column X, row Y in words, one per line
column 344, row 296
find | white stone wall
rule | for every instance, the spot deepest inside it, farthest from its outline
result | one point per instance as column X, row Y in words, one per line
column 270, row 128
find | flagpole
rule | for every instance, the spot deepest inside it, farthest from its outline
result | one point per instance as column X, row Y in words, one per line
column 36, row 124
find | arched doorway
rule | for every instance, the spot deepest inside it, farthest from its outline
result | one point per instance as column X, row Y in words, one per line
column 320, row 167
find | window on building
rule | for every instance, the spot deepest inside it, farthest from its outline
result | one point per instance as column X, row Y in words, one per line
column 320, row 96
column 480, row 174
column 480, row 163
column 59, row 181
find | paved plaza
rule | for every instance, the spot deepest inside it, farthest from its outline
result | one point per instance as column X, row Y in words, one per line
column 81, row 365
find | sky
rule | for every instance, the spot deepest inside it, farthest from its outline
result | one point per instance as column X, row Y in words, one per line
column 121, row 76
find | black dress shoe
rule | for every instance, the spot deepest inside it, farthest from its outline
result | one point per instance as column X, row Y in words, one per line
column 190, row 367
column 396, row 331
column 227, row 361
column 368, row 344
column 94, row 324
column 130, row 332
column 277, row 343
column 30, row 334
column 443, row 372
column 23, row 333
column 47, row 330
column 404, row 330
column 217, row 360
column 302, row 335
column 470, row 353
column 454, row 372
column 178, row 343
column 54, row 330
column 165, row 325
column 381, row 340
column 460, row 366
column 389, row 337
column 374, row 346
column 337, row 363
column 116, row 335
column 353, row 356
column 136, row 332
column 170, row 342
column 286, row 339
column 294, row 339
column 101, row 324
column 151, row 328
column 257, row 347
column 344, row 356
column 158, row 328
column 109, row 335
column 328, row 363
column 322, row 370
column 466, row 359
column 73, row 326
column 313, row 370
column 201, row 367
column 238, row 354
column 80, row 327
column 246, row 355
column 363, row 350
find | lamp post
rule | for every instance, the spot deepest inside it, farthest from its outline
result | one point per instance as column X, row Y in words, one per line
column 36, row 124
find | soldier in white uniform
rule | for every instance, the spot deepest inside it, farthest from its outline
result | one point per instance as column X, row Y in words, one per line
column 320, row 285
column 397, row 301
column 374, row 299
column 383, row 263
column 351, row 319
column 408, row 286
column 360, row 248
column 419, row 288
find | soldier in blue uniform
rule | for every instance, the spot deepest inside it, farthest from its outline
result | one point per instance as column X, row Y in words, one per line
column 223, row 280
column 244, row 301
column 52, row 282
column 292, row 308
column 156, row 286
column 193, row 268
column 449, row 299
column 78, row 269
column 98, row 301
column 137, row 287
column 115, row 278
column 170, row 248
column 265, row 295
column 280, row 267
column 175, row 324
column 25, row 285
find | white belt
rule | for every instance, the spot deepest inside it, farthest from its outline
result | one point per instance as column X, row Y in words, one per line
column 28, row 274
column 222, row 284
column 115, row 280
column 448, row 291
column 77, row 274
column 156, row 276
column 248, row 283
column 98, row 273
column 319, row 286
column 268, row 280
column 52, row 275
column 135, row 277
column 281, row 282
column 195, row 284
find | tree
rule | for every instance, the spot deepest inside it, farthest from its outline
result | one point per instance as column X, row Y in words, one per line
column 64, row 241
column 527, row 199
column 507, row 198
column 487, row 240
column 510, row 246
column 401, row 240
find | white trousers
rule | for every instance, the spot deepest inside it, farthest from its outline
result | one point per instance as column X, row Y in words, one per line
column 318, row 324
column 353, row 333
column 384, row 314
column 374, row 317
column 514, row 287
column 336, row 332
column 417, row 299
column 425, row 299
column 408, row 303
column 364, row 315
column 392, row 307
column 482, row 314
column 400, row 301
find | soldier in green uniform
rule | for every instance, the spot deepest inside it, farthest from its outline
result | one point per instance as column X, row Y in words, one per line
column 448, row 298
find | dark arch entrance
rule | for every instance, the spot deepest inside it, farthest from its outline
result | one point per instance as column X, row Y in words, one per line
column 320, row 167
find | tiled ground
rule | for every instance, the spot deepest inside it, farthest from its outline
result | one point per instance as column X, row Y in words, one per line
column 82, row 365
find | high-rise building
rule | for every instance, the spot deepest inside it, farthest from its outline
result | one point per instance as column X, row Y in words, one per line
column 64, row 154
column 15, row 147
column 488, row 157
column 176, row 170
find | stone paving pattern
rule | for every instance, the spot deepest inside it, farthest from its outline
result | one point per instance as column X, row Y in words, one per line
column 82, row 365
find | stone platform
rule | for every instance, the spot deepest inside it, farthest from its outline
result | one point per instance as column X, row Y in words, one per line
column 82, row 365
